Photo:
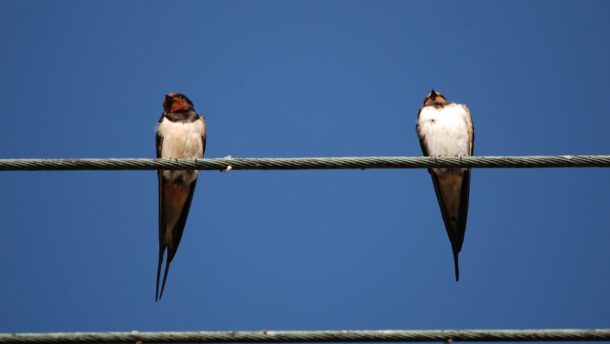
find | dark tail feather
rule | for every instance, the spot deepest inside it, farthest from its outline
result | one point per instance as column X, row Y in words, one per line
column 161, row 252
column 456, row 265
column 165, row 276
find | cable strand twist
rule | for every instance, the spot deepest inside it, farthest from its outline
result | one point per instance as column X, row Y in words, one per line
column 307, row 163
column 313, row 336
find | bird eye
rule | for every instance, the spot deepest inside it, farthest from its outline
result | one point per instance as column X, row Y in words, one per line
column 180, row 97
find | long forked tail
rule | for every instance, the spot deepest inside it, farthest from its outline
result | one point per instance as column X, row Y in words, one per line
column 167, row 263
column 161, row 253
column 456, row 265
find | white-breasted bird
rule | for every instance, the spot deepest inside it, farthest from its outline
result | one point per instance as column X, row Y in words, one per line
column 445, row 130
column 181, row 134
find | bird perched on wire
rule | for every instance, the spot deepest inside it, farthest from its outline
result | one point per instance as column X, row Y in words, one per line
column 180, row 135
column 445, row 130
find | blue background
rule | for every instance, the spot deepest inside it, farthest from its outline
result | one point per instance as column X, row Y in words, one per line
column 303, row 249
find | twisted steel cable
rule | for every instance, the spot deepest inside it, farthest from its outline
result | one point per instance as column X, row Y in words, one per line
column 313, row 336
column 307, row 163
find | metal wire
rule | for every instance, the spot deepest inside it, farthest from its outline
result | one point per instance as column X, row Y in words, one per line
column 313, row 336
column 306, row 163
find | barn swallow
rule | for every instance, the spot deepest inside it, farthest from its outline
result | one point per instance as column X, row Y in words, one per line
column 445, row 130
column 180, row 135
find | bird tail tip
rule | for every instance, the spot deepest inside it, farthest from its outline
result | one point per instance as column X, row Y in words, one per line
column 164, row 278
column 161, row 253
column 456, row 266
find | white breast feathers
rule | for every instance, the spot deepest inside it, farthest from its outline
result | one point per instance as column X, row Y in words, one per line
column 181, row 140
column 445, row 131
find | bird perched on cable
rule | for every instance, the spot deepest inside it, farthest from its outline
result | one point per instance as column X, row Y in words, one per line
column 180, row 135
column 445, row 130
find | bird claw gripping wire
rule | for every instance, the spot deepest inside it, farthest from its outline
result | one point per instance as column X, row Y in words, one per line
column 228, row 168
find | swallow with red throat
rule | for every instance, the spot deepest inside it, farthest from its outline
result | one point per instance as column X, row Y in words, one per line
column 445, row 130
column 180, row 135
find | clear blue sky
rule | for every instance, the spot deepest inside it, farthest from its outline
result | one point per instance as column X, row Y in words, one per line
column 303, row 249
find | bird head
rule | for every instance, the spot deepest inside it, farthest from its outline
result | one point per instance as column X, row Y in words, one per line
column 435, row 99
column 177, row 102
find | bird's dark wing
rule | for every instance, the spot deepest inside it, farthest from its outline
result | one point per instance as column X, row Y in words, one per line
column 421, row 137
column 159, row 141
column 455, row 223
column 178, row 229
column 204, row 136
column 463, row 213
